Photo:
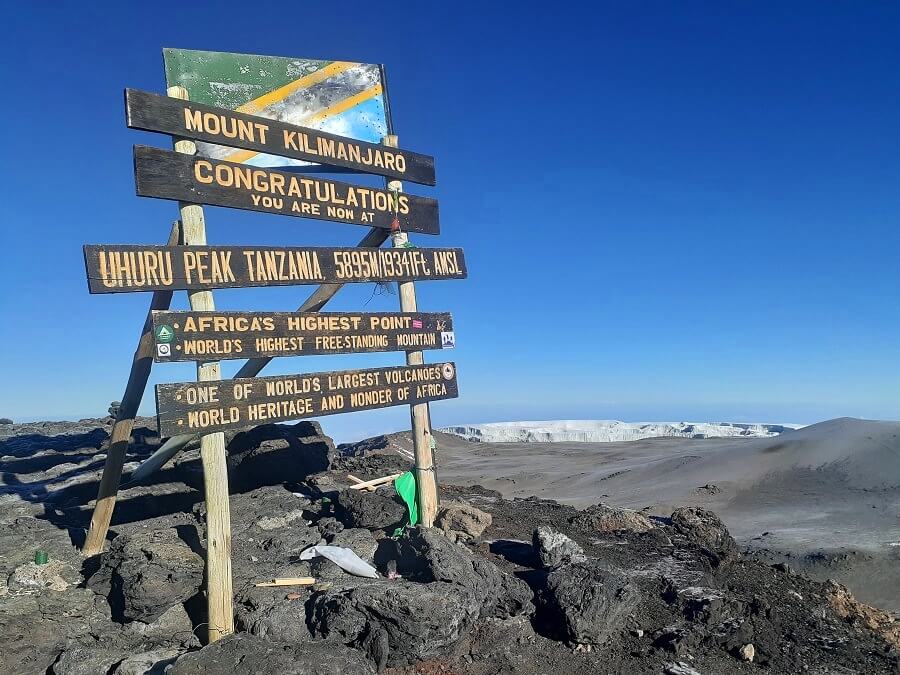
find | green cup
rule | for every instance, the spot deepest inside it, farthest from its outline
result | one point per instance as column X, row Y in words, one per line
column 41, row 557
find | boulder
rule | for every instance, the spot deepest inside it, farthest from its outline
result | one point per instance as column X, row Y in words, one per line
column 372, row 510
column 461, row 521
column 154, row 662
column 146, row 573
column 88, row 660
column 267, row 524
column 243, row 654
column 706, row 529
column 173, row 627
column 272, row 454
column 605, row 518
column 554, row 548
column 427, row 556
column 36, row 627
column 397, row 622
column 586, row 602
column 270, row 613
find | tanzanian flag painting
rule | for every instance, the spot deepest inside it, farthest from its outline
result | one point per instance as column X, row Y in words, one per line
column 340, row 97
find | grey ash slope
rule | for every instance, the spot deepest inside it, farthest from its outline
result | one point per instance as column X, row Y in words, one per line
column 825, row 498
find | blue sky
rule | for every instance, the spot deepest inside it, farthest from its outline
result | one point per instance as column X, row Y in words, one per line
column 671, row 211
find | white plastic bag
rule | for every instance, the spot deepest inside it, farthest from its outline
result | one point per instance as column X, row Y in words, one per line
column 344, row 558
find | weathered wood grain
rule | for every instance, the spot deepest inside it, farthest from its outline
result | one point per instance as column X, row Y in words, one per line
column 152, row 112
column 205, row 407
column 199, row 180
column 127, row 268
column 189, row 336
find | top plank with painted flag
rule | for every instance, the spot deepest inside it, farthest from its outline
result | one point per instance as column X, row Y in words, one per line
column 339, row 97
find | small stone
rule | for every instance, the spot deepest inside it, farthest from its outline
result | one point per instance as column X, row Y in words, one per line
column 747, row 653
column 679, row 668
column 554, row 548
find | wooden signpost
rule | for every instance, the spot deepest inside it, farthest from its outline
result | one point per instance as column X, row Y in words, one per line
column 185, row 336
column 210, row 406
column 127, row 269
column 152, row 112
column 170, row 175
column 207, row 407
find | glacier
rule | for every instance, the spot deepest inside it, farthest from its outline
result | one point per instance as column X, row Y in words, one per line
column 609, row 431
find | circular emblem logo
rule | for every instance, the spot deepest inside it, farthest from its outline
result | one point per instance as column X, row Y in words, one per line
column 448, row 371
column 164, row 333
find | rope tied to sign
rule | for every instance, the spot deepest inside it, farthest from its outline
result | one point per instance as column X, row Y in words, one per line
column 395, row 202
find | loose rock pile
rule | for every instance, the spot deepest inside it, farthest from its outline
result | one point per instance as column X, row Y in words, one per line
column 524, row 586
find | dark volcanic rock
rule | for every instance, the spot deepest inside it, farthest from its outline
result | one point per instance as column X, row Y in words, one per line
column 706, row 529
column 461, row 521
column 427, row 556
column 273, row 454
column 587, row 602
column 372, row 510
column 268, row 613
column 145, row 573
column 88, row 660
column 396, row 622
column 267, row 527
column 242, row 654
column 606, row 518
column 35, row 628
column 554, row 549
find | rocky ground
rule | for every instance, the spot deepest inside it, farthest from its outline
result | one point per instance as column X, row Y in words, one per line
column 501, row 586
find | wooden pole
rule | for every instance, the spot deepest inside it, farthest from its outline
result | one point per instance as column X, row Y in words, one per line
column 121, row 431
column 426, row 483
column 212, row 446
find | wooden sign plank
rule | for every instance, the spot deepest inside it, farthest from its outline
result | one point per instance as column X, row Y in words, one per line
column 127, row 268
column 205, row 407
column 151, row 112
column 192, row 336
column 200, row 180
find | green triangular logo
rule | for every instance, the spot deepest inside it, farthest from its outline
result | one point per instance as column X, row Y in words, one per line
column 164, row 333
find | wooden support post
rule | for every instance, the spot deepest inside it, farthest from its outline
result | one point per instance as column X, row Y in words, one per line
column 121, row 431
column 212, row 446
column 426, row 483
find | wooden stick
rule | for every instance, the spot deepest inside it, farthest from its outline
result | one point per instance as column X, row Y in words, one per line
column 212, row 446
column 121, row 431
column 252, row 367
column 376, row 481
column 354, row 479
column 426, row 482
column 288, row 581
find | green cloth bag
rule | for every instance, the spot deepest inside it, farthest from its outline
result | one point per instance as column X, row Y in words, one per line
column 406, row 488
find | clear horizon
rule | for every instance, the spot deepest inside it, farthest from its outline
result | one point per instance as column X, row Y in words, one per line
column 669, row 213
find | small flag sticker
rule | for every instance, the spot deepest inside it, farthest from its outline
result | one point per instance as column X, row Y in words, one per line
column 417, row 324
